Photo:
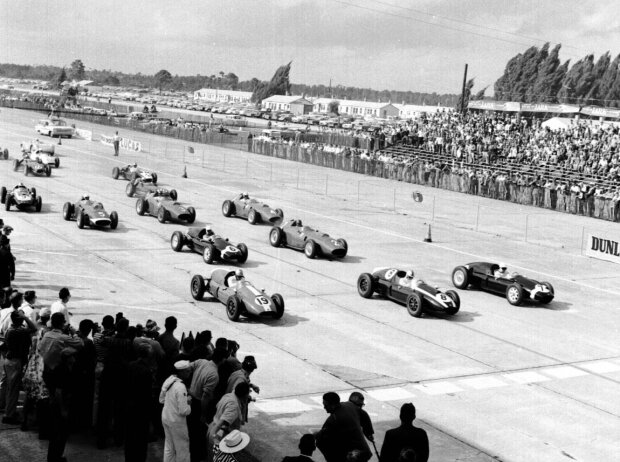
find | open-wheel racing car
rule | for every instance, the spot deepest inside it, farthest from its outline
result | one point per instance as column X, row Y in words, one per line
column 313, row 242
column 132, row 172
column 38, row 151
column 255, row 211
column 140, row 187
column 89, row 213
column 491, row 277
column 211, row 246
column 239, row 295
column 160, row 204
column 34, row 167
column 401, row 287
column 21, row 197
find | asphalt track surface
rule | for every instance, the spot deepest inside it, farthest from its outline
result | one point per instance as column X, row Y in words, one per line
column 493, row 382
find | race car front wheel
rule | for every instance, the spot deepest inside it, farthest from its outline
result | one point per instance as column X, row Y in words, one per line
column 113, row 220
column 176, row 241
column 253, row 217
column 3, row 195
column 233, row 308
column 365, row 285
column 38, row 204
column 197, row 287
column 192, row 215
column 414, row 305
column 278, row 302
column 275, row 236
column 228, row 208
column 457, row 302
column 460, row 277
column 310, row 249
column 208, row 254
column 141, row 206
column 130, row 189
column 514, row 294
column 67, row 211
column 243, row 249
column 115, row 173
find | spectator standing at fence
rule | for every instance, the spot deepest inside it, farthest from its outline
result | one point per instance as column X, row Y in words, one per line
column 116, row 141
column 406, row 436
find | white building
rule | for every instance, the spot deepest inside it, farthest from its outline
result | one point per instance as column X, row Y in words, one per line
column 294, row 104
column 214, row 95
column 322, row 104
column 367, row 109
column 409, row 111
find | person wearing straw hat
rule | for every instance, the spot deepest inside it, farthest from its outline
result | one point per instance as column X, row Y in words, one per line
column 176, row 403
column 231, row 444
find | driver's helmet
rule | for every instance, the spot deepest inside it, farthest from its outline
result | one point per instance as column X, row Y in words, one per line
column 245, row 195
column 239, row 274
column 209, row 231
column 409, row 275
column 135, row 165
column 20, row 185
column 85, row 197
column 503, row 266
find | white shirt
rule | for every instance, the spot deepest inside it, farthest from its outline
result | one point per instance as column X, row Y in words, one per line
column 60, row 307
column 29, row 311
column 175, row 399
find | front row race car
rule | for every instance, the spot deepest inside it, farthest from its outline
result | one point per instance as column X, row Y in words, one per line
column 160, row 204
column 132, row 172
column 89, row 213
column 38, row 151
column 240, row 297
column 255, row 211
column 495, row 278
column 140, row 187
column 401, row 287
column 211, row 246
column 21, row 197
column 35, row 167
column 313, row 242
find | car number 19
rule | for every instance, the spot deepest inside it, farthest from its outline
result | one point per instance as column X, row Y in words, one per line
column 261, row 300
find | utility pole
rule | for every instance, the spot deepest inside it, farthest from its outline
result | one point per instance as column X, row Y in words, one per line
column 463, row 91
column 331, row 95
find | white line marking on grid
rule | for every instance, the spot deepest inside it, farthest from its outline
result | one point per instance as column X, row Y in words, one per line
column 564, row 372
column 284, row 406
column 526, row 377
column 601, row 367
column 438, row 388
column 482, row 383
column 344, row 396
column 390, row 394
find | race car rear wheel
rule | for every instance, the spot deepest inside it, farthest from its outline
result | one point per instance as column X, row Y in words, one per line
column 141, row 206
column 278, row 301
column 115, row 173
column 113, row 220
column 80, row 219
column 275, row 236
column 33, row 191
column 192, row 215
column 280, row 213
column 15, row 165
column 48, row 170
column 67, row 211
column 197, row 287
column 38, row 204
column 6, row 154
column 365, row 285
column 130, row 189
column 7, row 203
column 57, row 162
column 460, row 277
column 233, row 308
column 26, row 171
column 154, row 176
column 228, row 208
column 3, row 195
column 345, row 245
column 457, row 301
column 514, row 294
column 177, row 241
column 310, row 249
column 162, row 215
column 173, row 194
column 253, row 217
column 244, row 253
column 414, row 305
column 208, row 254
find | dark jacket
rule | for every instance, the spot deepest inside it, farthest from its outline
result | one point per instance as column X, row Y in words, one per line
column 7, row 267
column 404, row 437
column 342, row 433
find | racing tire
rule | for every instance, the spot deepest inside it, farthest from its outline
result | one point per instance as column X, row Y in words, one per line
column 141, row 206
column 346, row 247
column 133, row 177
column 116, row 173
column 550, row 299
column 457, row 301
column 67, row 211
column 7, row 203
column 48, row 170
column 460, row 277
column 80, row 219
column 113, row 220
column 154, row 176
column 233, row 308
column 275, row 236
column 173, row 194
column 228, row 208
column 3, row 195
column 197, row 287
column 33, row 191
column 57, row 162
column 365, row 285
column 192, row 215
column 38, row 204
column 177, row 241
column 514, row 294
column 26, row 171
column 280, row 213
column 5, row 154
column 208, row 254
column 15, row 165
column 244, row 253
column 414, row 305
column 130, row 189
column 278, row 301
column 253, row 217
column 310, row 249
column 162, row 215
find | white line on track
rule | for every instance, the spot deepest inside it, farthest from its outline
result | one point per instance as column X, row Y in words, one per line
column 132, row 307
column 44, row 251
column 382, row 231
column 74, row 275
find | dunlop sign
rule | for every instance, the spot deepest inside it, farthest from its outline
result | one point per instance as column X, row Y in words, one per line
column 603, row 248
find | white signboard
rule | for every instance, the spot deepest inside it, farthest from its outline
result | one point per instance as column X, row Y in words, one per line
column 126, row 143
column 603, row 247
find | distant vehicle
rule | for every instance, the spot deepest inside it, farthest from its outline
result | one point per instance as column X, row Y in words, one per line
column 54, row 127
column 160, row 204
column 89, row 213
column 211, row 247
column 132, row 172
column 38, row 151
column 140, row 187
column 313, row 242
column 21, row 197
column 255, row 211
column 33, row 167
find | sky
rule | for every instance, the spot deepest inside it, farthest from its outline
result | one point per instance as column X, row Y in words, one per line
column 416, row 45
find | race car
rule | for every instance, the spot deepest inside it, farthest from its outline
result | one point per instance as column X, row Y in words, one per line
column 160, row 204
column 89, row 213
column 211, row 246
column 255, row 211
column 418, row 296
column 516, row 288
column 239, row 295
column 32, row 167
column 132, row 172
column 312, row 241
column 21, row 197
column 140, row 187
column 54, row 127
column 43, row 152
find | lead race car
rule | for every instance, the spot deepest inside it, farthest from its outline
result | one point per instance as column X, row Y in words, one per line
column 211, row 246
column 255, row 211
column 132, row 172
column 494, row 278
column 141, row 187
column 89, row 213
column 34, row 167
column 239, row 295
column 401, row 287
column 160, row 204
column 21, row 197
column 38, row 151
column 313, row 242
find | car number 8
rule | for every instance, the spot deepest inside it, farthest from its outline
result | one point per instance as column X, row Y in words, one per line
column 390, row 274
column 262, row 300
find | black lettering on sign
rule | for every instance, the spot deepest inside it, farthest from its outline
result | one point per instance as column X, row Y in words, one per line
column 595, row 243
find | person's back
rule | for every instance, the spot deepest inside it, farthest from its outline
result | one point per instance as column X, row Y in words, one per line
column 406, row 436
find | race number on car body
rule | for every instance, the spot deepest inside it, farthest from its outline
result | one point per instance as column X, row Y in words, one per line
column 262, row 301
column 389, row 274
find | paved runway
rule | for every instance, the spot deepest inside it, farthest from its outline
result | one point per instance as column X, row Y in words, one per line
column 493, row 382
